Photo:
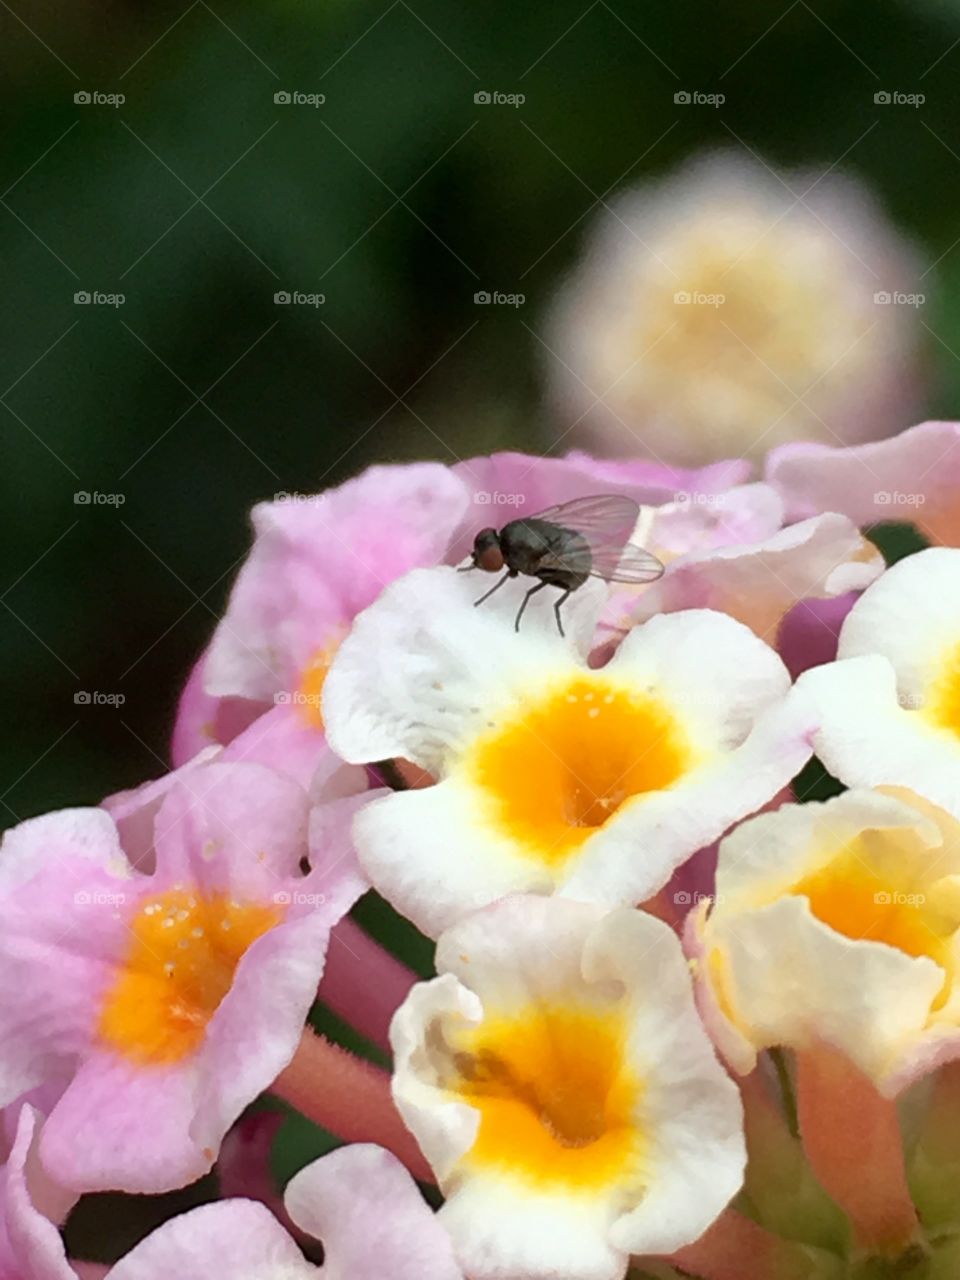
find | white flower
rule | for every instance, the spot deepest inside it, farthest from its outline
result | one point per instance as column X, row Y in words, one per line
column 562, row 1087
column 889, row 710
column 836, row 923
column 553, row 777
column 727, row 309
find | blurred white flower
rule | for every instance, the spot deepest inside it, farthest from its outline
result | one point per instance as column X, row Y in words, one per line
column 726, row 309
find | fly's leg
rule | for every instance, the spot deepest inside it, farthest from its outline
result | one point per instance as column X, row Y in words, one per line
column 496, row 587
column 532, row 592
column 556, row 609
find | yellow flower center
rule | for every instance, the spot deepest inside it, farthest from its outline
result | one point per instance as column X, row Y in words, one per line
column 942, row 704
column 180, row 965
column 557, row 1102
column 854, row 898
column 565, row 765
column 310, row 693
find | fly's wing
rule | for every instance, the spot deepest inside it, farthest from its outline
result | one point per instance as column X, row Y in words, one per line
column 605, row 522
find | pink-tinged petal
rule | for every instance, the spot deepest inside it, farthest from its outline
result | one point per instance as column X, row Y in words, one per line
column 236, row 1239
column 809, row 631
column 715, row 477
column 317, row 561
column 85, row 835
column 237, row 828
column 255, row 1032
column 62, row 938
column 758, row 584
column 283, row 740
column 123, row 1127
column 135, row 811
column 364, row 1206
column 697, row 521
column 505, row 486
column 363, row 983
column 914, row 476
column 204, row 721
column 30, row 1245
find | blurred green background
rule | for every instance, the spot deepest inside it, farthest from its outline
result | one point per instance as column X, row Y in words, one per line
column 200, row 197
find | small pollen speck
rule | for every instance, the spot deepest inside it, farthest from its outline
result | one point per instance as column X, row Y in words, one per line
column 608, row 699
column 196, row 933
column 593, row 712
column 224, row 924
column 588, row 697
column 168, row 922
column 168, row 968
column 209, row 850
column 183, row 944
column 572, row 697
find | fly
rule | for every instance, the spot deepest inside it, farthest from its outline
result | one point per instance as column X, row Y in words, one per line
column 564, row 546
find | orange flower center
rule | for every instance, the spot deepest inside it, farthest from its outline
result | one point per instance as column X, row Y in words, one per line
column 556, row 1100
column 564, row 767
column 180, row 965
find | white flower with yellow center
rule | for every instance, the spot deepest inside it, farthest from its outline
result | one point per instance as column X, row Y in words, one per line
column 836, row 923
column 889, row 711
column 565, row 1093
column 553, row 777
column 729, row 308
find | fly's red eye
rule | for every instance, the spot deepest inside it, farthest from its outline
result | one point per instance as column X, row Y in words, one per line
column 490, row 559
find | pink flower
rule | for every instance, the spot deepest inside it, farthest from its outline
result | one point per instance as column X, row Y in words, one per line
column 914, row 476
column 171, row 999
column 30, row 1208
column 316, row 562
column 359, row 1200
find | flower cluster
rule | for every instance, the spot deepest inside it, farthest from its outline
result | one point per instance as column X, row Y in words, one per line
column 683, row 1020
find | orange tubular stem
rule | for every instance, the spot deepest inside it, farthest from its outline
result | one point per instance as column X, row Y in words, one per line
column 348, row 1097
column 851, row 1136
column 735, row 1248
